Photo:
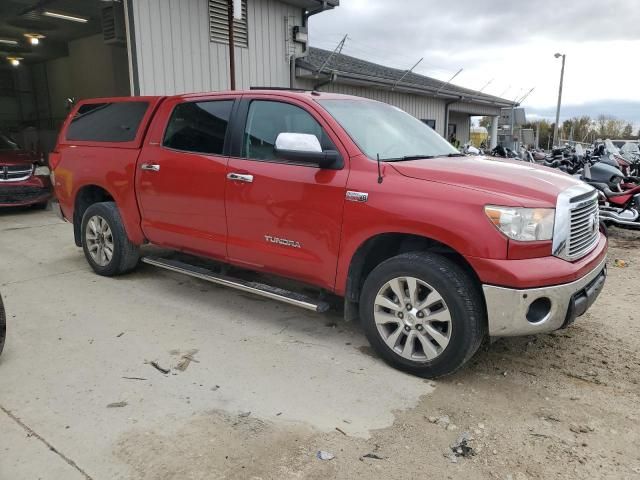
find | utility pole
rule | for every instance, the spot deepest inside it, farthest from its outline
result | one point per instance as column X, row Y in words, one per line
column 555, row 130
column 231, row 14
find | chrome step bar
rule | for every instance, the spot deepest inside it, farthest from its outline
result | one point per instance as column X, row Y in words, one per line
column 274, row 293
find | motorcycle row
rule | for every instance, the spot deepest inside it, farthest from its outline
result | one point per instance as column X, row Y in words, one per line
column 614, row 172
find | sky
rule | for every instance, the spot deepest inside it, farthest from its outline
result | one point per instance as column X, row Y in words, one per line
column 508, row 44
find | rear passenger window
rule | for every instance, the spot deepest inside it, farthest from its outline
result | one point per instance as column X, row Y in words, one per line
column 107, row 122
column 199, row 126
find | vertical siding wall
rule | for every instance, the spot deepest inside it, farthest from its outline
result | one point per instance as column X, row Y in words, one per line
column 424, row 108
column 463, row 125
column 174, row 54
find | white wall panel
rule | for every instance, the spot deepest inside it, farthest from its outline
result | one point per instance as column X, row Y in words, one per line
column 175, row 55
column 463, row 124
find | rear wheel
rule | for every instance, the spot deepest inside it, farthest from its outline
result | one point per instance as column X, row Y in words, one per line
column 104, row 241
column 423, row 314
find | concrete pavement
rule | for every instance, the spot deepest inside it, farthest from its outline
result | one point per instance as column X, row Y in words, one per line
column 73, row 336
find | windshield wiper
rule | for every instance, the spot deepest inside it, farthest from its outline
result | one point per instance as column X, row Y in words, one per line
column 408, row 157
column 456, row 155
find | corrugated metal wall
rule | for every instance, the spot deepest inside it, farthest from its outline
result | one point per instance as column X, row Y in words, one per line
column 463, row 125
column 424, row 108
column 174, row 53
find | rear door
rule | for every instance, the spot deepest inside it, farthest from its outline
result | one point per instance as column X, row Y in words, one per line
column 181, row 175
column 283, row 217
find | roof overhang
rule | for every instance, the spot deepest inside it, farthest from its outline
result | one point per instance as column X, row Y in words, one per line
column 312, row 3
column 307, row 71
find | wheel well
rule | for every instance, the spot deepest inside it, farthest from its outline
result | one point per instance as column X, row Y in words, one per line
column 86, row 197
column 384, row 246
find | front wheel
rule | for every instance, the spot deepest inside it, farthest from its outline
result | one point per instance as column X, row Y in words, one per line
column 423, row 314
column 105, row 243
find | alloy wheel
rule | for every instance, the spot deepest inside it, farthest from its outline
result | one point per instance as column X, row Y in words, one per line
column 99, row 240
column 413, row 319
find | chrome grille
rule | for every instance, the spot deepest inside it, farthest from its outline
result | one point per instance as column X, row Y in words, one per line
column 584, row 226
column 15, row 173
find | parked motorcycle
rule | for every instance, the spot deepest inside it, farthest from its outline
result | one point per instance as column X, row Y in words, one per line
column 503, row 152
column 469, row 149
column 631, row 153
column 619, row 201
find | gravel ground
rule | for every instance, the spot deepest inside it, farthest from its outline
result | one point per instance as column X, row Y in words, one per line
column 563, row 405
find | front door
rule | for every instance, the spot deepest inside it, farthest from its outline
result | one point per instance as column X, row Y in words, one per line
column 181, row 176
column 283, row 217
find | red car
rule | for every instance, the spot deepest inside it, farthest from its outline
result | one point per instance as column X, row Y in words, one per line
column 433, row 251
column 24, row 179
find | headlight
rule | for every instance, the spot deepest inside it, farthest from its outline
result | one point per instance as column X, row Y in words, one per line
column 42, row 171
column 523, row 224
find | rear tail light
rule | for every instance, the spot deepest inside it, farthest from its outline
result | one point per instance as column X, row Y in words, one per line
column 54, row 160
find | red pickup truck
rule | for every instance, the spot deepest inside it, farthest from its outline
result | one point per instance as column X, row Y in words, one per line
column 432, row 250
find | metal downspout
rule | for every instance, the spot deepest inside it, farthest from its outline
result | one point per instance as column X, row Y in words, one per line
column 306, row 14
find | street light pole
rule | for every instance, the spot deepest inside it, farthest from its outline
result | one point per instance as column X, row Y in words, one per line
column 555, row 130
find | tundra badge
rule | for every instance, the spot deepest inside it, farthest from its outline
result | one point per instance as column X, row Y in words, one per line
column 357, row 196
column 282, row 241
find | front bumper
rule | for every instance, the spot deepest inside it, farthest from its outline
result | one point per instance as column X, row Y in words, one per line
column 32, row 191
column 513, row 312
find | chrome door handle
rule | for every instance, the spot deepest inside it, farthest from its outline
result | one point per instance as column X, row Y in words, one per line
column 240, row 177
column 150, row 167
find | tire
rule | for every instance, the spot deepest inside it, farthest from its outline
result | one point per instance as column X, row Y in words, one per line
column 441, row 332
column 104, row 219
column 3, row 325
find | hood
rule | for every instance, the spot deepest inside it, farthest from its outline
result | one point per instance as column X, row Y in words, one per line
column 508, row 178
column 17, row 157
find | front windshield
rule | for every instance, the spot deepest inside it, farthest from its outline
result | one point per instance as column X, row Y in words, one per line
column 630, row 147
column 611, row 148
column 380, row 129
column 7, row 144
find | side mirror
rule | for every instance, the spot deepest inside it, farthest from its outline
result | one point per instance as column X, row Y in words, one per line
column 305, row 148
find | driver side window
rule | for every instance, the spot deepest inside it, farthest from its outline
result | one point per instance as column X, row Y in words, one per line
column 267, row 119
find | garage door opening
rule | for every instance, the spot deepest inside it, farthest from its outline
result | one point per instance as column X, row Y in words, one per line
column 53, row 53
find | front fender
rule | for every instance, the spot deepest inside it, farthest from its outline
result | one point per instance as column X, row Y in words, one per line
column 451, row 215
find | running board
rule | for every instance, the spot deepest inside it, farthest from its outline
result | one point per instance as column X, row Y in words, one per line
column 274, row 293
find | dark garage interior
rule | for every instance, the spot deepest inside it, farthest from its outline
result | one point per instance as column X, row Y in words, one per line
column 52, row 53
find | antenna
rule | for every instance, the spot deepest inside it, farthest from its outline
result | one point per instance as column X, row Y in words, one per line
column 449, row 81
column 505, row 91
column 525, row 95
column 379, row 173
column 405, row 74
column 486, row 85
column 337, row 50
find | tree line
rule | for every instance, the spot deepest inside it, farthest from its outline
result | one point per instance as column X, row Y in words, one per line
column 580, row 129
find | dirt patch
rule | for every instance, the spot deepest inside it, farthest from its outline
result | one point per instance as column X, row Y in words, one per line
column 367, row 350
